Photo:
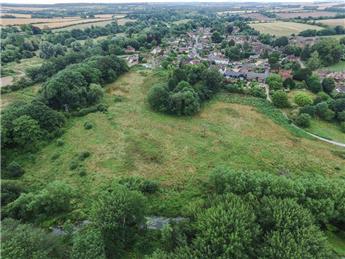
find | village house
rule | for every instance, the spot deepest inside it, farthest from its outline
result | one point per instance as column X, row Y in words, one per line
column 129, row 49
column 133, row 60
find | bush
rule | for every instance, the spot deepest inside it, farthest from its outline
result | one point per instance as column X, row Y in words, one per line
column 308, row 109
column 55, row 198
column 119, row 215
column 26, row 131
column 280, row 99
column 158, row 98
column 10, row 190
column 149, row 186
column 274, row 81
column 14, row 170
column 341, row 116
column 60, row 142
column 84, row 155
column 212, row 229
column 313, row 83
column 321, row 97
column 140, row 184
column 185, row 102
column 257, row 91
column 73, row 165
column 118, row 98
column 55, row 156
column 88, row 243
column 234, row 88
column 289, row 83
column 303, row 99
column 88, row 125
column 328, row 85
column 26, row 241
column 303, row 120
column 342, row 127
column 324, row 112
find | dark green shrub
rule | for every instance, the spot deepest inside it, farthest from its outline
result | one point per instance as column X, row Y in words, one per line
column 10, row 190
column 88, row 125
column 303, row 120
column 73, row 165
column 309, row 109
column 140, row 184
column 119, row 215
column 14, row 170
column 280, row 99
column 234, row 88
column 102, row 107
column 314, row 84
column 88, row 243
column 55, row 198
column 55, row 156
column 119, row 98
column 82, row 172
column 83, row 155
column 257, row 91
column 60, row 142
column 342, row 126
column 27, row 241
column 148, row 186
column 159, row 98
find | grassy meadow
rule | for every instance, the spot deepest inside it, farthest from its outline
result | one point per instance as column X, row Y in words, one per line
column 339, row 67
column 283, row 28
column 132, row 140
column 332, row 22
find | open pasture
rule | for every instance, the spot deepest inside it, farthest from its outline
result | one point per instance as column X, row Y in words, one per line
column 132, row 140
column 332, row 22
column 17, row 15
column 36, row 21
column 316, row 14
column 102, row 22
column 66, row 23
column 256, row 16
column 283, row 28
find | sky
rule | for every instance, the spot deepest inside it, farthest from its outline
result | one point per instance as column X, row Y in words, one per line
column 136, row 1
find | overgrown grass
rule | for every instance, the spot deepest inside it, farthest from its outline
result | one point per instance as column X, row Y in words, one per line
column 326, row 130
column 266, row 108
column 130, row 139
column 339, row 67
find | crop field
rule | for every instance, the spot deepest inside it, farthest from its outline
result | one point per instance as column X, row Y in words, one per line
column 283, row 28
column 23, row 8
column 120, row 21
column 20, row 21
column 54, row 23
column 18, row 15
column 132, row 140
column 305, row 14
column 332, row 22
column 257, row 16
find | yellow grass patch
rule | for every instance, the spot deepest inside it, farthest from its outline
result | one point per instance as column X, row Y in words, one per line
column 282, row 28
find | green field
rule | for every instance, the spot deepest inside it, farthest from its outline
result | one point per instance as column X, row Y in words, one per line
column 326, row 130
column 283, row 28
column 131, row 140
column 120, row 21
column 339, row 67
